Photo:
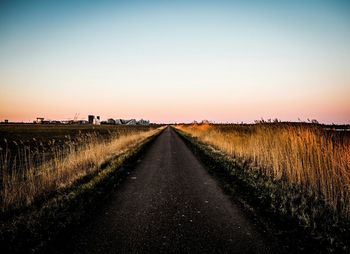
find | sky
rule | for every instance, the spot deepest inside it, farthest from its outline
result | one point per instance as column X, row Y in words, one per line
column 175, row 61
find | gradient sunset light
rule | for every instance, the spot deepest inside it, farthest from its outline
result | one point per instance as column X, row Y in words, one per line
column 175, row 61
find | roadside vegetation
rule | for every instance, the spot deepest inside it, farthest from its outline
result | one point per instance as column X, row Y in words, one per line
column 298, row 171
column 26, row 177
column 47, row 185
column 38, row 143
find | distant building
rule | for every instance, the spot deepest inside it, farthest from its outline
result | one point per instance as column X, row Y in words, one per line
column 82, row 122
column 97, row 120
column 143, row 122
column 110, row 121
column 55, row 122
column 94, row 120
column 39, row 120
column 6, row 121
column 129, row 122
column 118, row 121
column 91, row 119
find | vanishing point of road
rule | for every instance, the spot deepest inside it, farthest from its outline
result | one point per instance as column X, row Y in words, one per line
column 168, row 204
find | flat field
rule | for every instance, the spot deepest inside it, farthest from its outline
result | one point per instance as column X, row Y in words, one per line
column 314, row 157
column 37, row 158
column 40, row 142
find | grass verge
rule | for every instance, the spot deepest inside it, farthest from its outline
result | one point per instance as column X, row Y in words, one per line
column 30, row 230
column 283, row 209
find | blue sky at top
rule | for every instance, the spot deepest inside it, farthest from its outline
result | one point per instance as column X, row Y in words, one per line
column 226, row 60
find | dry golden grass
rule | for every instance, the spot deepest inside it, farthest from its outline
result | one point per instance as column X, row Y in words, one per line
column 21, row 187
column 307, row 155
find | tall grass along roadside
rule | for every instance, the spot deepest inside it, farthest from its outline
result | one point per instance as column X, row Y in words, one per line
column 35, row 176
column 316, row 159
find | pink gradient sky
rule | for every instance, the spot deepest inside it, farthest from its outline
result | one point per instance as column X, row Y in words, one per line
column 178, row 62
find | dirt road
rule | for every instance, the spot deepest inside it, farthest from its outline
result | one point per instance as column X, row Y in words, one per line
column 169, row 204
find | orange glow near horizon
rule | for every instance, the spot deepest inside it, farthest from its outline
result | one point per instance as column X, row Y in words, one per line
column 222, row 61
column 181, row 111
